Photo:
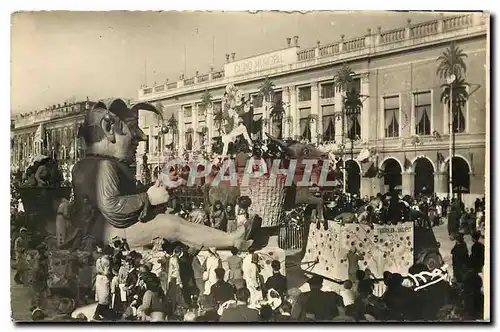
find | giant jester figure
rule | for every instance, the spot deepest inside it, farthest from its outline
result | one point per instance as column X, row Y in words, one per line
column 103, row 183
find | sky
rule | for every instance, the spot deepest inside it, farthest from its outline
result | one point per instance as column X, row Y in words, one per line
column 63, row 56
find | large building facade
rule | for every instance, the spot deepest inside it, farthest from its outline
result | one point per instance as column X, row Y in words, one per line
column 51, row 131
column 403, row 121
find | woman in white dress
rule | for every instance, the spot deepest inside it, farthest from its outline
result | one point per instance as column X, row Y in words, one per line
column 212, row 263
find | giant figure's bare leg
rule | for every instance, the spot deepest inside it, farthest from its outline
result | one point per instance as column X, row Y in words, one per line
column 173, row 228
column 244, row 131
column 225, row 140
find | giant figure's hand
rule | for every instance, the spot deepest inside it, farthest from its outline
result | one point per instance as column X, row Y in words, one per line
column 157, row 194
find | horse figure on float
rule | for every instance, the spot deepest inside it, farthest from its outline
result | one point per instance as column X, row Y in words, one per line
column 228, row 194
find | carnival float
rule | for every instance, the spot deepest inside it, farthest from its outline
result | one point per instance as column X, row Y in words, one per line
column 268, row 212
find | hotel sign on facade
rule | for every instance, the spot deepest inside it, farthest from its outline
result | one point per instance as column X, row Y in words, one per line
column 262, row 62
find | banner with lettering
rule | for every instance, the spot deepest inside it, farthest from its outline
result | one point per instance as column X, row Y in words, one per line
column 380, row 248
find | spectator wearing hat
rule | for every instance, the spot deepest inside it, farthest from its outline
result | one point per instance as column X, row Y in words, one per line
column 174, row 291
column 348, row 294
column 316, row 305
column 20, row 247
column 38, row 315
column 40, row 277
column 152, row 301
column 235, row 264
column 209, row 307
column 277, row 281
column 212, row 263
column 459, row 257
column 64, row 310
column 240, row 312
column 398, row 299
column 253, row 280
column 477, row 254
column 222, row 291
column 132, row 278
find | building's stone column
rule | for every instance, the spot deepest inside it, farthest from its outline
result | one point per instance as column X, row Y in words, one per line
column 294, row 111
column 365, row 111
column 314, row 112
column 287, row 106
column 440, row 184
column 195, row 124
column 265, row 117
column 181, row 130
column 210, row 124
column 408, row 183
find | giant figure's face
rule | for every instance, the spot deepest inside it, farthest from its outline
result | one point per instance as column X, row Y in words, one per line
column 126, row 143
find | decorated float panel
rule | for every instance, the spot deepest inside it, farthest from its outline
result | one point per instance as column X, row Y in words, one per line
column 383, row 248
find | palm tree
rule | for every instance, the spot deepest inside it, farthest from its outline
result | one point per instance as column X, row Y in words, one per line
column 206, row 100
column 460, row 97
column 266, row 90
column 343, row 78
column 218, row 120
column 451, row 62
column 276, row 115
column 172, row 123
column 159, row 107
column 342, row 81
column 452, row 65
column 352, row 105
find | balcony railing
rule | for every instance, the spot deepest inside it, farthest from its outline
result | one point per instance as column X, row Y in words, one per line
column 189, row 81
column 218, row 75
column 306, row 54
column 329, row 49
column 457, row 22
column 354, row 44
column 393, row 36
column 424, row 29
column 376, row 39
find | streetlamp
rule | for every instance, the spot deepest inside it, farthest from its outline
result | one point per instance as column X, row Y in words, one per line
column 450, row 81
column 352, row 114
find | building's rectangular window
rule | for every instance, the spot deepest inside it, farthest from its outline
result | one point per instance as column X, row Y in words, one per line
column 257, row 100
column 327, row 90
column 188, row 112
column 328, row 123
column 201, row 112
column 353, row 126
column 188, row 136
column 218, row 120
column 422, row 113
column 391, row 116
column 305, row 93
column 459, row 111
column 304, row 123
column 278, row 95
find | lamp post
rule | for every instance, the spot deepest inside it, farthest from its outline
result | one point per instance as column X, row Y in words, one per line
column 450, row 81
column 352, row 113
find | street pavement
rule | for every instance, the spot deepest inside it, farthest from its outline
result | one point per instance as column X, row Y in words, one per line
column 21, row 295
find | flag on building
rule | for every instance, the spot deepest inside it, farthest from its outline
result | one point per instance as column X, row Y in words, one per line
column 39, row 134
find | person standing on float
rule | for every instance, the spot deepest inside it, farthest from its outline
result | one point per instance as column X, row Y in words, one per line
column 112, row 134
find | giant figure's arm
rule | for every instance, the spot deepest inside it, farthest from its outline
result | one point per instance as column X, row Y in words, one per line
column 119, row 210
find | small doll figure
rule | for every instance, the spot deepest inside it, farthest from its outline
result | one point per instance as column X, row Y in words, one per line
column 199, row 216
column 103, row 289
column 241, row 211
column 218, row 218
column 230, row 218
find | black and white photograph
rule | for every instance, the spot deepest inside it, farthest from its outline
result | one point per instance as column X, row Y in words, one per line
column 250, row 166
